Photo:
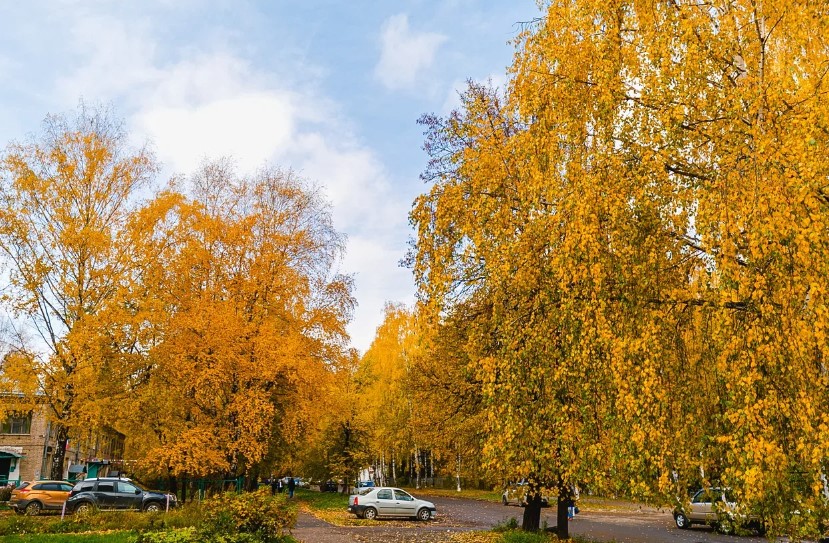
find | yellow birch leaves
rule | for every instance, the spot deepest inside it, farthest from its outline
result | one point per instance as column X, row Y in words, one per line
column 640, row 221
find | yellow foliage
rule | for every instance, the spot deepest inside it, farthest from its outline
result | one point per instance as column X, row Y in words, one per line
column 637, row 227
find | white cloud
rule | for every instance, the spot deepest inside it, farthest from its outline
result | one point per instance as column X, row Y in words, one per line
column 377, row 269
column 404, row 53
column 250, row 127
column 209, row 103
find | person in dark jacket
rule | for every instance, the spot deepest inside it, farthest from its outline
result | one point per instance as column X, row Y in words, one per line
column 291, row 487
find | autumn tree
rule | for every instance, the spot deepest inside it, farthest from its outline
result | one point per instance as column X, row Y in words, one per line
column 384, row 387
column 65, row 197
column 251, row 326
column 640, row 222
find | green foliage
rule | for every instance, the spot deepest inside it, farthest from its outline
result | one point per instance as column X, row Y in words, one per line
column 110, row 537
column 507, row 525
column 323, row 501
column 185, row 535
column 187, row 516
column 255, row 516
column 525, row 537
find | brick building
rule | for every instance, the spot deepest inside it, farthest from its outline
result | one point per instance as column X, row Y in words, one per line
column 28, row 441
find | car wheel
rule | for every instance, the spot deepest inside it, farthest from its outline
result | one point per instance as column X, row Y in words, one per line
column 33, row 508
column 682, row 521
column 84, row 508
column 504, row 500
column 424, row 514
column 152, row 507
column 370, row 513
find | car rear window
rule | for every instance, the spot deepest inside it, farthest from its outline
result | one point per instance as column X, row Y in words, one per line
column 364, row 491
column 23, row 485
column 38, row 487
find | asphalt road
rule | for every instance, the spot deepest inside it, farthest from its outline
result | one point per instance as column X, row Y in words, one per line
column 458, row 514
column 631, row 526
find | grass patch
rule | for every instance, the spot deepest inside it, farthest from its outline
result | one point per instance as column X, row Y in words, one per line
column 471, row 494
column 526, row 537
column 322, row 501
column 98, row 522
column 109, row 537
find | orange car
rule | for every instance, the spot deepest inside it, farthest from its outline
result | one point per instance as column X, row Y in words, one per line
column 32, row 498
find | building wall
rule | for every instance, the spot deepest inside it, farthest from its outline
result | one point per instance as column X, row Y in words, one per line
column 30, row 445
column 103, row 448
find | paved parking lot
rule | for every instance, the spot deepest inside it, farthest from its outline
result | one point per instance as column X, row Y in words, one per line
column 645, row 525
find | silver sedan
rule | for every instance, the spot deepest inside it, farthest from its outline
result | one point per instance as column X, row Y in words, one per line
column 370, row 503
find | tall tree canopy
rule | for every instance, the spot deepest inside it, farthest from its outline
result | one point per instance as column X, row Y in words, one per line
column 65, row 199
column 640, row 224
column 253, row 323
column 207, row 326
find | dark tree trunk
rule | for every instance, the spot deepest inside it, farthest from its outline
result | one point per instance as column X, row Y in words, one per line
column 172, row 484
column 62, row 438
column 252, row 483
column 184, row 489
column 532, row 512
column 562, row 522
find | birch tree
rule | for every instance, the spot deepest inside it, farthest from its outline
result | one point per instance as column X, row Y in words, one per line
column 65, row 197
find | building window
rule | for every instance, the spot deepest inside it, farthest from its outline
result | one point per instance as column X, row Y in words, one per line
column 15, row 424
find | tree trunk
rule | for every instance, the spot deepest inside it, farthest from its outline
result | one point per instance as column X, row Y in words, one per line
column 59, row 453
column 562, row 522
column 458, row 472
column 172, row 484
column 532, row 512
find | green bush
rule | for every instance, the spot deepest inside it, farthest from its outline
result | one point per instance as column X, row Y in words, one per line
column 247, row 517
column 5, row 493
column 184, row 535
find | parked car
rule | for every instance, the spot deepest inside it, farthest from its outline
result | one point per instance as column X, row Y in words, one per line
column 381, row 501
column 32, row 498
column 365, row 484
column 116, row 493
column 516, row 493
column 329, row 486
column 716, row 507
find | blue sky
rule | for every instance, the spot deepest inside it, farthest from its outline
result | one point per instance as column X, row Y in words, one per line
column 331, row 89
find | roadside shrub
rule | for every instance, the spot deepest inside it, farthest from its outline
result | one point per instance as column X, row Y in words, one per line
column 247, row 517
column 5, row 493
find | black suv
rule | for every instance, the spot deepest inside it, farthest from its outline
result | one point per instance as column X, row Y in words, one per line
column 110, row 493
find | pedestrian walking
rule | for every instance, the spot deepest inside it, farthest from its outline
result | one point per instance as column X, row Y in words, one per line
column 291, row 487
